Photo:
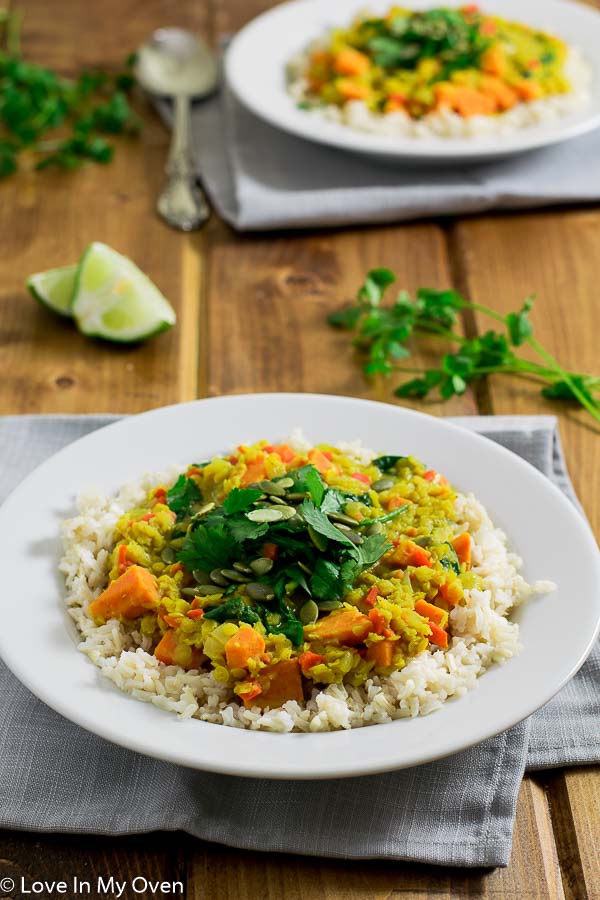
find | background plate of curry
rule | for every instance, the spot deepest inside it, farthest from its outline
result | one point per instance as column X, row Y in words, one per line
column 447, row 82
column 38, row 640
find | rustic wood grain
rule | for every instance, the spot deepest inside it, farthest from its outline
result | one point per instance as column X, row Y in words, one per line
column 500, row 261
column 46, row 219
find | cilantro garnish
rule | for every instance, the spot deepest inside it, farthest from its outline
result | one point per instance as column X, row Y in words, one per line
column 182, row 495
column 383, row 333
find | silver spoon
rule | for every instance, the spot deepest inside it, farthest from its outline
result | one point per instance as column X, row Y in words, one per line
column 174, row 63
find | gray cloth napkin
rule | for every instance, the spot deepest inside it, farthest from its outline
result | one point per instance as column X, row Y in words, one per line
column 54, row 776
column 260, row 178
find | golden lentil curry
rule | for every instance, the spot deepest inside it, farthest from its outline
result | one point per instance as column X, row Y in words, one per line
column 419, row 62
column 281, row 570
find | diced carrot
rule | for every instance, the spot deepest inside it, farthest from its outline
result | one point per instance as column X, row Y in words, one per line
column 195, row 613
column 255, row 470
column 131, row 595
column 378, row 621
column 451, row 593
column 279, row 683
column 244, row 645
column 409, row 554
column 488, row 27
column 270, row 551
column 320, row 57
column 308, row 659
column 352, row 90
column 493, row 61
column 319, row 460
column 173, row 652
column 438, row 636
column 145, row 518
column 172, row 621
column 533, row 64
column 122, row 562
column 431, row 612
column 284, row 452
column 371, row 598
column 193, row 470
column 351, row 62
column 348, row 626
column 528, row 89
column 396, row 502
column 462, row 548
column 382, row 653
column 248, row 695
column 232, row 459
column 195, row 604
column 469, row 9
column 328, row 454
column 176, row 567
column 160, row 495
column 360, row 476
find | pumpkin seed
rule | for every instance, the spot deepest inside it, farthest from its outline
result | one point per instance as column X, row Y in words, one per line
column 343, row 518
column 351, row 535
column 258, row 591
column 264, row 515
column 319, row 540
column 205, row 509
column 243, row 568
column 295, row 497
column 232, row 575
column 304, row 568
column 190, row 591
column 261, row 565
column 422, row 541
column 328, row 605
column 270, row 487
column 286, row 512
column 177, row 543
column 168, row 555
column 309, row 613
column 375, row 528
column 208, row 590
column 201, row 576
column 276, row 500
column 216, row 576
column 285, row 482
column 383, row 484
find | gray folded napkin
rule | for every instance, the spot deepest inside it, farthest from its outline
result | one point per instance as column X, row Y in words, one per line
column 260, row 178
column 54, row 776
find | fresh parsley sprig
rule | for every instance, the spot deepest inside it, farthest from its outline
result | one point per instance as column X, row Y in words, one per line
column 63, row 122
column 384, row 332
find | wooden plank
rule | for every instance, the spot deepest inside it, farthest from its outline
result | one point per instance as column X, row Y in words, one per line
column 554, row 255
column 156, row 857
column 269, row 296
column 46, row 219
column 220, row 873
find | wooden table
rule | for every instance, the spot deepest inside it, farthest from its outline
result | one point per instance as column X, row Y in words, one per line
column 251, row 318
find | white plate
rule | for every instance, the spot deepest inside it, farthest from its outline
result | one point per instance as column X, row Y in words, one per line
column 37, row 639
column 257, row 59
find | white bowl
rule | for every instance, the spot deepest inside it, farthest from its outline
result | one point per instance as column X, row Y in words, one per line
column 38, row 640
column 257, row 58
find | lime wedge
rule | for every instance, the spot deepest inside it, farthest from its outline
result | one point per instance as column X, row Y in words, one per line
column 54, row 288
column 114, row 300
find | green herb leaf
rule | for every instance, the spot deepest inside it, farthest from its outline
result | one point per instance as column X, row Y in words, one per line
column 387, row 463
column 207, row 548
column 182, row 495
column 240, row 499
column 234, row 610
column 325, row 582
column 321, row 524
column 519, row 325
column 242, row 529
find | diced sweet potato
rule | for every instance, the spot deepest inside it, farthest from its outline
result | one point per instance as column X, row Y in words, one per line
column 432, row 613
column 351, row 62
column 493, row 60
column 382, row 653
column 279, row 683
column 243, row 646
column 255, row 470
column 438, row 636
column 131, row 595
column 348, row 626
column 350, row 89
column 462, row 548
column 319, row 460
column 464, row 100
column 503, row 94
column 173, row 652
column 407, row 553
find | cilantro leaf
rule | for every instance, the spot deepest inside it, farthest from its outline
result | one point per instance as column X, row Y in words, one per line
column 519, row 324
column 240, row 499
column 182, row 495
column 371, row 550
column 321, row 524
column 387, row 463
column 242, row 529
column 325, row 582
column 308, row 481
column 207, row 548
